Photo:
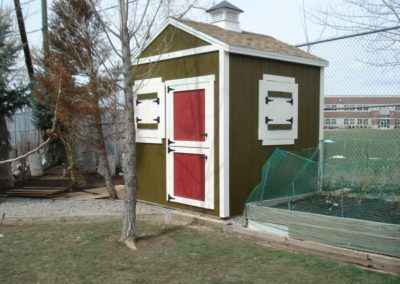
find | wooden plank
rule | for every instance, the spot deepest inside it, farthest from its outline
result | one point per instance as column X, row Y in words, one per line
column 345, row 238
column 286, row 217
column 147, row 125
column 276, row 94
column 286, row 199
column 280, row 126
column 149, row 96
column 364, row 259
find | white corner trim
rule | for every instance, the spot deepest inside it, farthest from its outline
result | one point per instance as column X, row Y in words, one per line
column 224, row 199
column 322, row 104
column 177, row 54
column 277, row 56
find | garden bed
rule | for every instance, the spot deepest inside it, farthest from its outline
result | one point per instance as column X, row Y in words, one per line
column 377, row 210
column 315, row 219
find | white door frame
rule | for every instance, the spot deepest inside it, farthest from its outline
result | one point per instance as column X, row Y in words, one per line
column 190, row 147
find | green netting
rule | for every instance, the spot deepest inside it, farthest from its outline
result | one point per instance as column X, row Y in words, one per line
column 345, row 177
column 287, row 174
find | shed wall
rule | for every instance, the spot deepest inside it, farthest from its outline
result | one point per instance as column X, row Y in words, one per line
column 151, row 158
column 247, row 155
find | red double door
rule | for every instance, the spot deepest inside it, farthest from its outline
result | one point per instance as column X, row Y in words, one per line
column 188, row 152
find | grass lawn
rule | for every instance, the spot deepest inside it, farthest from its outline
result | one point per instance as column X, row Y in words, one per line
column 89, row 253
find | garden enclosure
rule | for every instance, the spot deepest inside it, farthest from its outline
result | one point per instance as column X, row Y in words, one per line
column 347, row 192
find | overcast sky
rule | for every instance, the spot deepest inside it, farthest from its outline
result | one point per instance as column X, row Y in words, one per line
column 348, row 74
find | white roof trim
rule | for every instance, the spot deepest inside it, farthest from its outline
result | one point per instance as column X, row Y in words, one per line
column 233, row 49
column 278, row 56
column 176, row 54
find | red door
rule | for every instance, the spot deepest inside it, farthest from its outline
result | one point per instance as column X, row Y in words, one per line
column 188, row 146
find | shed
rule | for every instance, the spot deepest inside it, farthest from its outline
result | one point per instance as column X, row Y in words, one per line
column 212, row 103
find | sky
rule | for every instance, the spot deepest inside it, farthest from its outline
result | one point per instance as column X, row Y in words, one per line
column 348, row 73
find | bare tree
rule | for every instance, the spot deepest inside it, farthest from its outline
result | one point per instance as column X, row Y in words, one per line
column 362, row 16
column 76, row 40
column 137, row 22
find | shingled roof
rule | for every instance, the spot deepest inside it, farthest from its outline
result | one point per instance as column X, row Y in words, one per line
column 249, row 40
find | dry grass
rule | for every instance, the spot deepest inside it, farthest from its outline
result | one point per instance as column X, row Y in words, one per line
column 83, row 252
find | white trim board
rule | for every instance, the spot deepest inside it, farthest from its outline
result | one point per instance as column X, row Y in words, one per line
column 177, row 54
column 224, row 197
column 233, row 49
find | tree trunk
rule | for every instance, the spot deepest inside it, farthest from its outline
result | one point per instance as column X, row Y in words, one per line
column 72, row 168
column 6, row 178
column 128, row 234
column 102, row 150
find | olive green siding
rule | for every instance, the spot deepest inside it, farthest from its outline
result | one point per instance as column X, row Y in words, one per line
column 170, row 40
column 247, row 155
column 151, row 158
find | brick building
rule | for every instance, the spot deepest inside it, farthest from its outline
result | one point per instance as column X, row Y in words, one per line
column 362, row 112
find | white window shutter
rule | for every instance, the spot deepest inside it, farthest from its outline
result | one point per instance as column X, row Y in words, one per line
column 149, row 103
column 278, row 110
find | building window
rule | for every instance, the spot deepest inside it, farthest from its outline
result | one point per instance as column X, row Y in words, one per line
column 365, row 123
column 397, row 108
column 333, row 121
column 397, row 123
column 346, row 122
column 383, row 123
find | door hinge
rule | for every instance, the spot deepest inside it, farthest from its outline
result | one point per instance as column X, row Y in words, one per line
column 170, row 142
column 170, row 198
column 138, row 102
column 268, row 120
column 290, row 120
column 169, row 89
column 290, row 101
column 205, row 157
column 157, row 119
column 268, row 100
column 204, row 135
column 170, row 150
column 138, row 119
column 157, row 101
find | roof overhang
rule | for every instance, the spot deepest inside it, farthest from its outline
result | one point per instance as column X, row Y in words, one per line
column 233, row 49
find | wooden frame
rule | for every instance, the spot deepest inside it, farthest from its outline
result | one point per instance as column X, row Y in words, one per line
column 381, row 238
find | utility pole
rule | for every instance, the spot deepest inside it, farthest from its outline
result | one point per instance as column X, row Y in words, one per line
column 45, row 29
column 24, row 38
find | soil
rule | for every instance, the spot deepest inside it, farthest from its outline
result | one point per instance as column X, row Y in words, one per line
column 376, row 210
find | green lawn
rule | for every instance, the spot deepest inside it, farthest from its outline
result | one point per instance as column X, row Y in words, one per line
column 89, row 253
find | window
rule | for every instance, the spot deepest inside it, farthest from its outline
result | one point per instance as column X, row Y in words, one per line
column 366, row 123
column 333, row 121
column 397, row 123
column 383, row 123
column 346, row 121
column 360, row 121
column 397, row 108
